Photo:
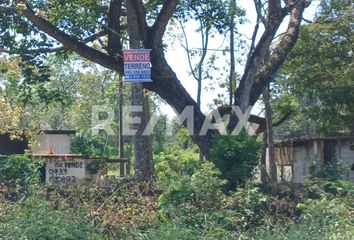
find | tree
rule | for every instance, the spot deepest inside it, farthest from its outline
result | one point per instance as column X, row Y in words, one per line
column 211, row 18
column 318, row 77
column 73, row 25
column 269, row 135
column 144, row 168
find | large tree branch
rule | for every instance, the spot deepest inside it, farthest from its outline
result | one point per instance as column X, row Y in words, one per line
column 260, row 53
column 280, row 52
column 60, row 48
column 159, row 27
column 263, row 64
column 140, row 11
column 114, row 46
column 68, row 41
column 260, row 121
column 274, row 9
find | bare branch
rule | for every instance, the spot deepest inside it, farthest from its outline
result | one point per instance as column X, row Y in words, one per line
column 187, row 50
column 306, row 20
column 258, row 6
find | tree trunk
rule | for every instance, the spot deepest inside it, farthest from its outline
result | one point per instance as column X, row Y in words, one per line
column 270, row 137
column 263, row 163
column 143, row 166
column 265, row 60
column 232, row 76
column 120, row 112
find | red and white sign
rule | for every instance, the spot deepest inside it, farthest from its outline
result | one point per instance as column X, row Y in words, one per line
column 137, row 66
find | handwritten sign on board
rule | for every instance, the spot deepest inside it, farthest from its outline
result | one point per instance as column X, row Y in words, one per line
column 137, row 66
column 60, row 172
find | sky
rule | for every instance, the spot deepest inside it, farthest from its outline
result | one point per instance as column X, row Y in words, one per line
column 177, row 58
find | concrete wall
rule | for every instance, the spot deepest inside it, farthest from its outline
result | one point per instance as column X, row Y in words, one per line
column 300, row 164
column 52, row 144
column 346, row 154
column 305, row 153
column 71, row 170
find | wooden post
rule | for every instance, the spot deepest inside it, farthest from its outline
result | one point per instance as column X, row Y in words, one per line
column 121, row 138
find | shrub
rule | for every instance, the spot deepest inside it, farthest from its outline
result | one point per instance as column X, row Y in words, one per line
column 236, row 157
column 87, row 145
column 176, row 231
column 246, row 208
column 36, row 218
column 331, row 170
column 325, row 219
column 188, row 181
column 191, row 190
column 322, row 218
column 19, row 169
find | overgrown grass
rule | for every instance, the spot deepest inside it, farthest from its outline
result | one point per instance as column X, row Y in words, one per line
column 187, row 202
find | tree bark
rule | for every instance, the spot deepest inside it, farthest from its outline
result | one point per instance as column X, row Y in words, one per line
column 232, row 77
column 270, row 135
column 144, row 169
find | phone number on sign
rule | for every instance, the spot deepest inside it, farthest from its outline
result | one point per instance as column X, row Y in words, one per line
column 57, row 171
column 63, row 179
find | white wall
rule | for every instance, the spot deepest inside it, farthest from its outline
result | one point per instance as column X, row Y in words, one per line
column 347, row 157
column 52, row 144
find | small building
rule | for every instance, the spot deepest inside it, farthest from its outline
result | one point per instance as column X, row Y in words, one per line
column 53, row 142
column 61, row 166
column 294, row 156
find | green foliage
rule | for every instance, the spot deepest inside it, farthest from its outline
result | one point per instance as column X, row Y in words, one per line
column 326, row 218
column 319, row 70
column 236, row 157
column 187, row 203
column 332, row 170
column 36, row 218
column 187, row 180
column 175, row 231
column 87, row 145
column 210, row 14
column 19, row 169
column 323, row 188
column 247, row 205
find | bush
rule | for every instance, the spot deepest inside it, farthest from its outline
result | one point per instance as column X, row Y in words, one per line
column 332, row 170
column 36, row 218
column 19, row 169
column 248, row 207
column 326, row 218
column 190, row 191
column 176, row 231
column 87, row 145
column 236, row 157
column 187, row 180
